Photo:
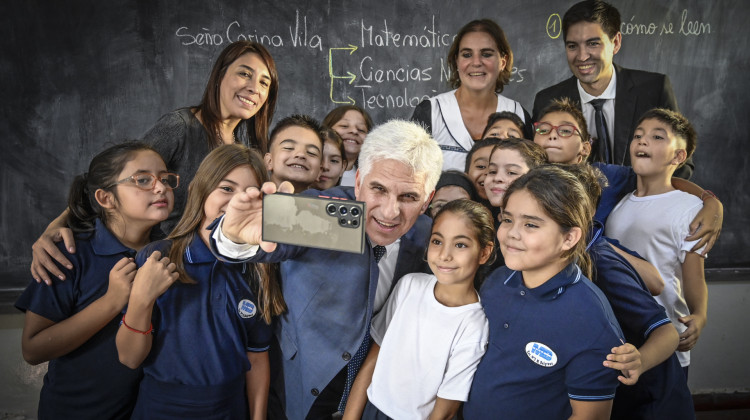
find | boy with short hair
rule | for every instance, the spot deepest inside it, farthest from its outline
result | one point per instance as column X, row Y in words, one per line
column 591, row 36
column 295, row 151
column 504, row 125
column 561, row 131
column 452, row 185
column 653, row 221
column 575, row 147
column 477, row 161
column 652, row 387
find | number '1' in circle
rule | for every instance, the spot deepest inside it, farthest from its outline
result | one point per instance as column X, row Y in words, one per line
column 554, row 26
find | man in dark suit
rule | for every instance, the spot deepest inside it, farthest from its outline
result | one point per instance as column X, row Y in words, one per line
column 591, row 30
column 332, row 295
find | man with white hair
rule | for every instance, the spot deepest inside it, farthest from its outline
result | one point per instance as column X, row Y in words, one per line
column 332, row 295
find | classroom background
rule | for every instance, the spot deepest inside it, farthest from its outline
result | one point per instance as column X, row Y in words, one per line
column 80, row 75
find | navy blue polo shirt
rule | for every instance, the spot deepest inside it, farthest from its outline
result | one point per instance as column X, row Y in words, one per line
column 546, row 346
column 203, row 331
column 662, row 391
column 90, row 381
column 622, row 180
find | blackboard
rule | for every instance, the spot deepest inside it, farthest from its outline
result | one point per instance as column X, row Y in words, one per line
column 79, row 75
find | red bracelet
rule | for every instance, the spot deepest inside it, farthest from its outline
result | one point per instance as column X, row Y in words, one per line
column 150, row 327
column 708, row 193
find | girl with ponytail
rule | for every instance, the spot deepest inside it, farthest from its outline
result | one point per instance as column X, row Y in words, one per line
column 72, row 324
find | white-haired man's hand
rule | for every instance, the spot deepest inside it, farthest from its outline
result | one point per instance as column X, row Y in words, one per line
column 243, row 220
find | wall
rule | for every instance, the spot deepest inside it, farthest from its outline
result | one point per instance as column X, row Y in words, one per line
column 19, row 389
column 718, row 361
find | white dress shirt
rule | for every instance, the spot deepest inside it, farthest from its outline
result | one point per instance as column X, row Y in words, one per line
column 608, row 109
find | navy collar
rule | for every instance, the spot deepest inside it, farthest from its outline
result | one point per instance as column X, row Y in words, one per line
column 197, row 252
column 552, row 288
column 597, row 230
column 103, row 242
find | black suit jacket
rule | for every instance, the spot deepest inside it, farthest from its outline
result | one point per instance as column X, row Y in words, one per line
column 636, row 92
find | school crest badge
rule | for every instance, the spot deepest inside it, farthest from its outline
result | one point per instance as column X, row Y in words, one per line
column 246, row 308
column 541, row 354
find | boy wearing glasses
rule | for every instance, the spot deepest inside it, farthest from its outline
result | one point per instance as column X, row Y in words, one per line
column 611, row 97
column 561, row 130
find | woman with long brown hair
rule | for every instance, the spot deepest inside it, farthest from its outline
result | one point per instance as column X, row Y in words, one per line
column 237, row 107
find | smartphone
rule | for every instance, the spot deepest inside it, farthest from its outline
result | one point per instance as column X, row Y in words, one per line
column 317, row 222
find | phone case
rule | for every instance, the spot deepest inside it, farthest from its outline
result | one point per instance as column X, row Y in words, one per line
column 317, row 222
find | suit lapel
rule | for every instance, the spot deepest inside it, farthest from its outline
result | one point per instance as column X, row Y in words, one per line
column 374, row 276
column 411, row 250
column 625, row 105
column 571, row 91
column 407, row 258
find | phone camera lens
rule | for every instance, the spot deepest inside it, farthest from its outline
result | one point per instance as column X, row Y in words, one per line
column 355, row 211
column 343, row 210
column 355, row 222
column 331, row 209
column 342, row 221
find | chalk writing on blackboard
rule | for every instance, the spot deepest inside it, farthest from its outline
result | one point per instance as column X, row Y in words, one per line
column 554, row 26
column 358, row 74
column 685, row 27
column 299, row 35
column 381, row 36
column 334, row 78
column 303, row 38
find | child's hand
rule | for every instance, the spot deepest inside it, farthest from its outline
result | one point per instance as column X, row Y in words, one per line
column 243, row 219
column 627, row 359
column 121, row 281
column 44, row 253
column 689, row 337
column 153, row 279
column 706, row 225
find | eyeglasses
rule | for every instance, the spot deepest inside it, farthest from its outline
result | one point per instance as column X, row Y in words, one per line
column 564, row 130
column 147, row 181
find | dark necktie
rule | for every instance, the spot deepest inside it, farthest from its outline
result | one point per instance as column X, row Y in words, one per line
column 356, row 361
column 601, row 130
column 379, row 251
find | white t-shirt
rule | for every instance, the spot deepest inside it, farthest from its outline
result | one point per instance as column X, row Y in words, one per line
column 427, row 350
column 451, row 134
column 655, row 226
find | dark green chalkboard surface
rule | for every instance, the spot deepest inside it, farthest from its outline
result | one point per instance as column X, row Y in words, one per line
column 78, row 75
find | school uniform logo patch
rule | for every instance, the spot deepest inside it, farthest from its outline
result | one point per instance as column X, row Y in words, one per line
column 541, row 354
column 247, row 308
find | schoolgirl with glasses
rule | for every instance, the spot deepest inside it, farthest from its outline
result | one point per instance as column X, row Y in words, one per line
column 72, row 324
